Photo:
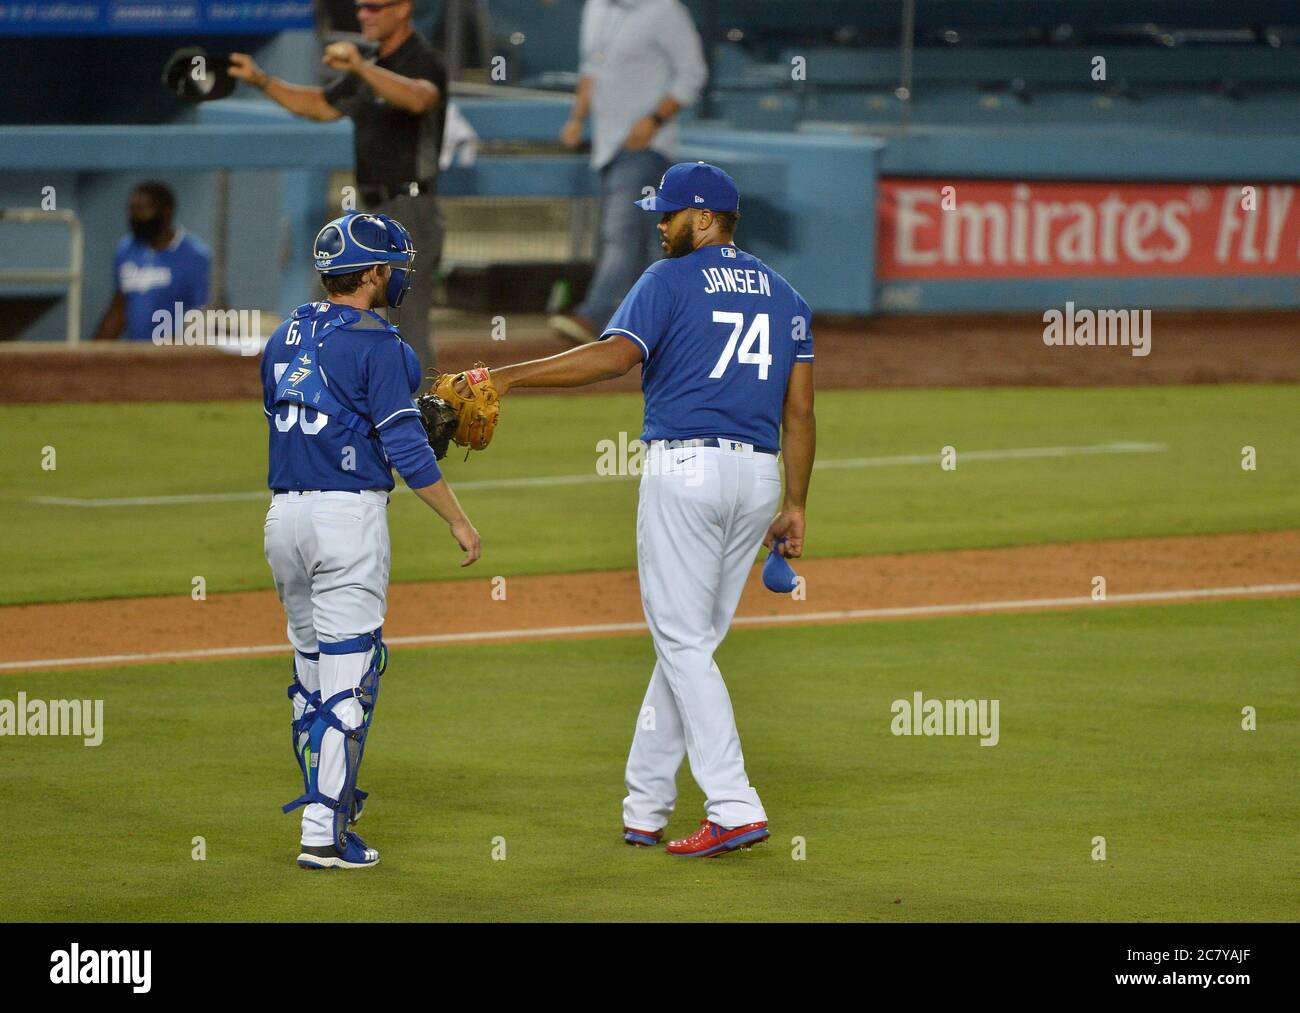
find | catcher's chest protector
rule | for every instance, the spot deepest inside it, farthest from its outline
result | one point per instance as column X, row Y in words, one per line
column 303, row 383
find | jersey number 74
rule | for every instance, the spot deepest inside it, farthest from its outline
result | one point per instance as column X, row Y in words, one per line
column 757, row 333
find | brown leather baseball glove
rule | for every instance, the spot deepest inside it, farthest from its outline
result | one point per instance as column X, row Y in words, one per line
column 477, row 409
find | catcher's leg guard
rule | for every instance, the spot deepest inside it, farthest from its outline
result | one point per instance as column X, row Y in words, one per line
column 370, row 688
column 305, row 706
column 306, row 702
column 346, row 807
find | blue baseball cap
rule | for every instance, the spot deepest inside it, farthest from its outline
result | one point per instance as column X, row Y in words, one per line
column 693, row 185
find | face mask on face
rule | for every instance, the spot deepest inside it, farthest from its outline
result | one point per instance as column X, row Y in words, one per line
column 147, row 230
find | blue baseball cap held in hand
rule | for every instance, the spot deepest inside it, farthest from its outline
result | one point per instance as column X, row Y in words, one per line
column 778, row 575
column 693, row 185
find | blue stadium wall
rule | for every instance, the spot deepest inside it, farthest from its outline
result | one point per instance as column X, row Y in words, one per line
column 810, row 194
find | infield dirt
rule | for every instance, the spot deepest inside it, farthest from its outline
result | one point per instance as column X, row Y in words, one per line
column 892, row 351
column 549, row 606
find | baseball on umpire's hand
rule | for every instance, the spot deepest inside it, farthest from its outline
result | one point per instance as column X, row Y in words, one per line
column 342, row 55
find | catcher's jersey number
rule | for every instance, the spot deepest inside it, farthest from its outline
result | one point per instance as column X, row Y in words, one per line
column 292, row 417
column 757, row 334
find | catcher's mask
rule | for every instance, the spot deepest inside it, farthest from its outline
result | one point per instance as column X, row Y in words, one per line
column 194, row 75
column 357, row 241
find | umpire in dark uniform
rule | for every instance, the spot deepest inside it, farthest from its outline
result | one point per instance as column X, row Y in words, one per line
column 398, row 106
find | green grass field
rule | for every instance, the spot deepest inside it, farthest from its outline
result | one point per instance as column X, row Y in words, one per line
column 1197, row 485
column 1123, row 723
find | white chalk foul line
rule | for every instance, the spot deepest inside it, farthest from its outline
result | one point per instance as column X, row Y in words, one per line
column 609, row 629
column 536, row 481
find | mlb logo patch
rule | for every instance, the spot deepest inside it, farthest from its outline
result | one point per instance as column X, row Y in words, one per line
column 729, row 251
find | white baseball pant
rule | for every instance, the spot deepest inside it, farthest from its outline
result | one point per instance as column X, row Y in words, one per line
column 701, row 518
column 330, row 556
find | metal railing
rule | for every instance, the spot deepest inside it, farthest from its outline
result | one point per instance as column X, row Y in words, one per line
column 71, row 278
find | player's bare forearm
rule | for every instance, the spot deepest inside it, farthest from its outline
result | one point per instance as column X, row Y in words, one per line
column 114, row 319
column 798, row 449
column 440, row 497
column 443, row 501
column 601, row 360
column 415, row 95
column 798, row 436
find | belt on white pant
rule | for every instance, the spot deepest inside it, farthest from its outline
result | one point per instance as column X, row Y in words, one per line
column 367, row 495
column 736, row 446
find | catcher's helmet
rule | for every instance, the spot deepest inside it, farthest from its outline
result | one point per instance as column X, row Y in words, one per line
column 357, row 241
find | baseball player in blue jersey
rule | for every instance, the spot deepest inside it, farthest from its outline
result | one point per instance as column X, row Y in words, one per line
column 726, row 353
column 337, row 384
column 160, row 271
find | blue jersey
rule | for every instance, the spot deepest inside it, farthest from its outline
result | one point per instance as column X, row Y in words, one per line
column 720, row 332
column 151, row 280
column 371, row 372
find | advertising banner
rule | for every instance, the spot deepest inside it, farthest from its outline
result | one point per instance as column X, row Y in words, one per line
column 931, row 230
column 152, row 17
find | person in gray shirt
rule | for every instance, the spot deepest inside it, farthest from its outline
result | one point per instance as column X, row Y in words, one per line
column 641, row 63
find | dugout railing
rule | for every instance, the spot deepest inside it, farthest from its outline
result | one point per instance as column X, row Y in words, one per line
column 52, row 280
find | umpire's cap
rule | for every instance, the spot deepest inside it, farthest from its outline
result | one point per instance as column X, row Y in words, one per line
column 694, row 185
column 194, row 75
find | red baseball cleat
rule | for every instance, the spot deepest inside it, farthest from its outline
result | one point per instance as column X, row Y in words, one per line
column 642, row 838
column 712, row 839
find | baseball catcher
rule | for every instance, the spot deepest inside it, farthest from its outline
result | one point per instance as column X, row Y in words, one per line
column 337, row 383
